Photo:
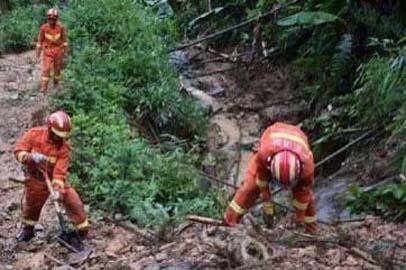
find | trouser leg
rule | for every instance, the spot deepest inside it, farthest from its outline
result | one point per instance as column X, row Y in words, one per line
column 34, row 198
column 75, row 209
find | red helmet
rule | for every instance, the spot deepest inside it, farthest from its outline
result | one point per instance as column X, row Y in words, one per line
column 52, row 13
column 285, row 167
column 60, row 124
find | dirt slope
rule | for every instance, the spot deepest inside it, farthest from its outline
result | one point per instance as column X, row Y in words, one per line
column 189, row 246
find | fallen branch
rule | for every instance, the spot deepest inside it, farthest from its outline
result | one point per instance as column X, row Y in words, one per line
column 205, row 220
column 222, row 32
column 59, row 262
column 362, row 254
column 15, row 180
column 342, row 149
column 130, row 226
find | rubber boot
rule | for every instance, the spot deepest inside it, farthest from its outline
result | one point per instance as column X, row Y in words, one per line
column 26, row 234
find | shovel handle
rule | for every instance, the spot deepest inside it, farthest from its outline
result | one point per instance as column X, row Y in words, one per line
column 51, row 190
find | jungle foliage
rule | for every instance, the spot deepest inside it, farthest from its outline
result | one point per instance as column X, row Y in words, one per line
column 349, row 58
column 125, row 104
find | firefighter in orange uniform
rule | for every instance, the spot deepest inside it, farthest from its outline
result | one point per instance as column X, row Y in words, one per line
column 47, row 149
column 52, row 42
column 283, row 155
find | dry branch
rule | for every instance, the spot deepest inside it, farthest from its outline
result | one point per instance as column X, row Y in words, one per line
column 205, row 220
column 16, row 180
column 59, row 262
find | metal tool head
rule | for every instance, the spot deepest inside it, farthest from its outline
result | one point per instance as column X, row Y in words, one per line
column 71, row 240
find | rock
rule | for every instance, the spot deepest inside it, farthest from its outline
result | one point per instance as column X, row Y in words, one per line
column 14, row 96
column 13, row 206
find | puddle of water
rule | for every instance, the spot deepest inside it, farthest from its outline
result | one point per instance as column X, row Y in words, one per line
column 327, row 198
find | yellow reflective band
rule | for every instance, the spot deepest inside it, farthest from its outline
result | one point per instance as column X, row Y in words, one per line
column 268, row 208
column 261, row 183
column 82, row 225
column 51, row 160
column 58, row 182
column 45, row 78
column 21, row 155
column 52, row 37
column 28, row 221
column 310, row 219
column 61, row 134
column 299, row 205
column 238, row 209
column 38, row 45
column 65, row 44
column 280, row 135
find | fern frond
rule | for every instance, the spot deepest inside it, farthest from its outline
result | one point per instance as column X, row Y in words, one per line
column 340, row 60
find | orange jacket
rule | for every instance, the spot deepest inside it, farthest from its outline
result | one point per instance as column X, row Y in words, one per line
column 276, row 138
column 52, row 39
column 37, row 140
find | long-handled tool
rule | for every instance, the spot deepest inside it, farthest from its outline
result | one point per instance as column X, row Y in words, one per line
column 68, row 238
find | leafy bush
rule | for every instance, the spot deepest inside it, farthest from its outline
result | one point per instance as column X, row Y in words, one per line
column 387, row 201
column 118, row 74
column 18, row 28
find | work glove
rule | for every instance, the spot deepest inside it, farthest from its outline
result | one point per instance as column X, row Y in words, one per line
column 38, row 157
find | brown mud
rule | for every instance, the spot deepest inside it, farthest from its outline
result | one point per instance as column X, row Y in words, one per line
column 246, row 100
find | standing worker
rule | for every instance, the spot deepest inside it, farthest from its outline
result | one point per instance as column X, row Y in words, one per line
column 52, row 42
column 283, row 155
column 47, row 149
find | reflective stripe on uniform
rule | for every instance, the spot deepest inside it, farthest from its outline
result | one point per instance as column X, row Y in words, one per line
column 281, row 135
column 51, row 160
column 45, row 78
column 261, row 183
column 238, row 209
column 310, row 219
column 21, row 155
column 57, row 77
column 82, row 225
column 58, row 182
column 28, row 221
column 299, row 205
column 38, row 45
column 52, row 37
column 268, row 208
column 65, row 44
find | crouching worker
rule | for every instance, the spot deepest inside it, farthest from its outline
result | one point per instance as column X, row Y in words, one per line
column 283, row 155
column 41, row 149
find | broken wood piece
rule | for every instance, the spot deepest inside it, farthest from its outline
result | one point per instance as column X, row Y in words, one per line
column 59, row 262
column 205, row 220
column 362, row 254
column 342, row 149
column 16, row 180
column 132, row 227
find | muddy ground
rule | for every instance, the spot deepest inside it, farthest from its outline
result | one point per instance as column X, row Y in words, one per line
column 243, row 102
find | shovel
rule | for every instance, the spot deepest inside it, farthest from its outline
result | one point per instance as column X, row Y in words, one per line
column 68, row 238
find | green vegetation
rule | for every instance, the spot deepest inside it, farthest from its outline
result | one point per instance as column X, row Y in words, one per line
column 349, row 58
column 385, row 201
column 19, row 28
column 118, row 74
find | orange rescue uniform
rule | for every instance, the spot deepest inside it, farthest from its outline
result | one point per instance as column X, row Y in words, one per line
column 276, row 138
column 52, row 41
column 36, row 191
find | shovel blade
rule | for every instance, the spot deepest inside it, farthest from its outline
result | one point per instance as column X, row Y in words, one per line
column 71, row 240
